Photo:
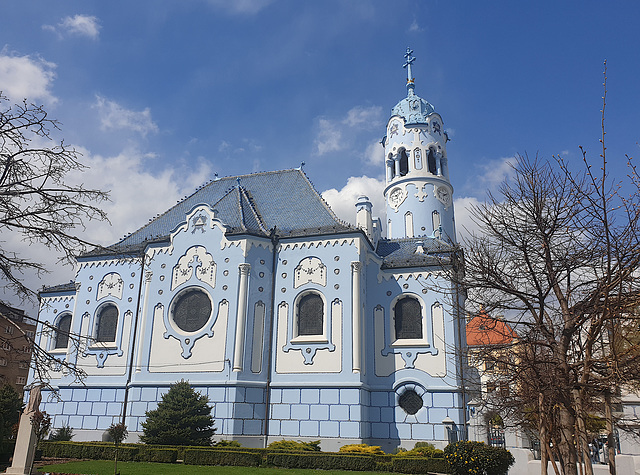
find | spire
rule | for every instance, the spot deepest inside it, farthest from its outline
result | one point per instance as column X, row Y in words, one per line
column 407, row 65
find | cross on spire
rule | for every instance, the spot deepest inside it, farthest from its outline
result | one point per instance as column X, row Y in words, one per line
column 410, row 59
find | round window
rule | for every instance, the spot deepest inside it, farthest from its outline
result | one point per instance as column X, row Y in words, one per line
column 191, row 310
column 410, row 401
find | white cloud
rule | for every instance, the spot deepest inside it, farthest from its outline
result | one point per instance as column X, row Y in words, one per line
column 369, row 117
column 241, row 7
column 464, row 222
column 329, row 137
column 343, row 202
column 114, row 117
column 494, row 172
column 24, row 77
column 414, row 27
column 77, row 25
column 374, row 154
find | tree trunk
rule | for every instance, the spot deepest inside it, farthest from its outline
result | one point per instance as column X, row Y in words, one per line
column 611, row 449
column 566, row 445
column 582, row 433
column 542, row 430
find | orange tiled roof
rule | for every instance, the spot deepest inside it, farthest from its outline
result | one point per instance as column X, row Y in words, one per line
column 484, row 330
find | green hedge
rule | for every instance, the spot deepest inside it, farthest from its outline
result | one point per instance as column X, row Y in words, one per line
column 6, row 450
column 420, row 465
column 100, row 451
column 222, row 457
column 323, row 461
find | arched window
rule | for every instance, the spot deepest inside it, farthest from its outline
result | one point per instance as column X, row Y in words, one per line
column 408, row 224
column 435, row 218
column 408, row 319
column 310, row 315
column 107, row 324
column 391, row 169
column 62, row 332
column 431, row 162
column 404, row 163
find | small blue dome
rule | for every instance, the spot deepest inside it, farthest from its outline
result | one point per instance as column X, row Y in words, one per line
column 413, row 109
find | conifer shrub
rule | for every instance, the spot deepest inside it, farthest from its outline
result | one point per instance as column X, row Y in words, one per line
column 61, row 434
column 183, row 417
column 423, row 449
column 294, row 446
column 471, row 458
column 361, row 449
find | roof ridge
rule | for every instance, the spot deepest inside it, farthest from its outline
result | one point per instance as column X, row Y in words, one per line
column 254, row 210
column 322, row 200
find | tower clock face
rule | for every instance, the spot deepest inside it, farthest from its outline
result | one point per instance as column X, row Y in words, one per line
column 396, row 197
column 443, row 195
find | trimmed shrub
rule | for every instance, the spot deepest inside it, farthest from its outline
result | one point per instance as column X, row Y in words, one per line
column 361, row 449
column 64, row 433
column 293, row 446
column 468, row 458
column 227, row 443
column 324, row 461
column 423, row 449
column 222, row 457
column 421, row 465
column 158, row 455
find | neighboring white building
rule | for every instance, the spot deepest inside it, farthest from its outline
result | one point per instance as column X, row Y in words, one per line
column 294, row 323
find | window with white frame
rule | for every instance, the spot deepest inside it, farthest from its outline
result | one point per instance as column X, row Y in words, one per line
column 63, row 326
column 21, row 380
column 310, row 315
column 3, row 362
column 9, row 329
column 408, row 319
column 107, row 324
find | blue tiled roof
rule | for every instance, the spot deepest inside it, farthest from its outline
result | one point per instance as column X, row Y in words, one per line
column 413, row 109
column 251, row 204
column 397, row 253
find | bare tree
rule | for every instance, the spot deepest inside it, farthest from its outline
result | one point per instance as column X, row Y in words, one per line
column 557, row 254
column 39, row 204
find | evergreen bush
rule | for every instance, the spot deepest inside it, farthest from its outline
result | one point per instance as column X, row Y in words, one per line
column 64, row 433
column 294, row 446
column 222, row 457
column 321, row 461
column 183, row 417
column 361, row 449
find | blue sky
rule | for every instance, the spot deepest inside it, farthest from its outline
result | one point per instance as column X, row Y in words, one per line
column 160, row 95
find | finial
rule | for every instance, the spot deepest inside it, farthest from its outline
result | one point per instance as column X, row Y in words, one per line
column 302, row 164
column 407, row 64
column 238, row 180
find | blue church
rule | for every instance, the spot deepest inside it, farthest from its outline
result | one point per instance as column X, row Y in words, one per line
column 295, row 324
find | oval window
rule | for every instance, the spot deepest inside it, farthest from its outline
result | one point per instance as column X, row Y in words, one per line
column 191, row 310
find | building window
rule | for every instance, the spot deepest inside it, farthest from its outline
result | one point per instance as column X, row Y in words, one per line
column 6, row 345
column 404, row 163
column 62, row 332
column 29, row 334
column 26, row 349
column 310, row 318
column 23, row 365
column 410, row 401
column 21, row 380
column 8, row 329
column 408, row 319
column 107, row 324
column 192, row 310
column 431, row 163
column 3, row 362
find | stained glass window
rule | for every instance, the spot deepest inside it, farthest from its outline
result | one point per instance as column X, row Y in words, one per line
column 310, row 315
column 408, row 319
column 192, row 310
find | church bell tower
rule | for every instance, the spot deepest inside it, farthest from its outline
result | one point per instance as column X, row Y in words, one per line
column 418, row 193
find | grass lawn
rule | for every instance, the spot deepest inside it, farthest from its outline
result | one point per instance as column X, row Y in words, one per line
column 105, row 467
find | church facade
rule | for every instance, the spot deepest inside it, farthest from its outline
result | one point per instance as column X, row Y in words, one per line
column 295, row 324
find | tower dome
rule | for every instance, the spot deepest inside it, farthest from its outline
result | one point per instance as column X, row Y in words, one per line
column 418, row 191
